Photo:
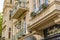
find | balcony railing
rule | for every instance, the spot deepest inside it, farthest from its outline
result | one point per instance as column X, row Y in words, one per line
column 20, row 33
column 19, row 8
column 41, row 8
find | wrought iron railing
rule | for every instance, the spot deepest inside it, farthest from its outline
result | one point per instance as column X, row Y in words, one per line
column 41, row 8
column 19, row 5
column 20, row 33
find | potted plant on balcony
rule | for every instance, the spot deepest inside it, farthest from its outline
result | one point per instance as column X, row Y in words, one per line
column 44, row 5
column 33, row 14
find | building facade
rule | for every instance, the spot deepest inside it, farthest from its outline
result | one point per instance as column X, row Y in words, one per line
column 31, row 20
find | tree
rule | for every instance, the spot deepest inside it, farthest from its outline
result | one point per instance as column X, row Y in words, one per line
column 0, row 24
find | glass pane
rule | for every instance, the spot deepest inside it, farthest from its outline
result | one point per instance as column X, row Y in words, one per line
column 46, row 1
column 41, row 2
column 34, row 5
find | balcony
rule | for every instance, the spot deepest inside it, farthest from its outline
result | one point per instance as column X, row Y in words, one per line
column 19, row 9
column 20, row 33
column 40, row 9
column 45, row 16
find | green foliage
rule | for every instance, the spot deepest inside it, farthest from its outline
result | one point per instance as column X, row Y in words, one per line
column 0, row 23
column 33, row 14
column 44, row 5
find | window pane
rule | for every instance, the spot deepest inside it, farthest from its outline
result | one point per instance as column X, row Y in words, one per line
column 34, row 5
column 41, row 2
column 9, row 29
column 46, row 1
column 9, row 34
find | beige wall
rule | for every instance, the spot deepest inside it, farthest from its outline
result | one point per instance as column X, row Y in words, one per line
column 29, row 20
column 8, row 23
column 47, row 11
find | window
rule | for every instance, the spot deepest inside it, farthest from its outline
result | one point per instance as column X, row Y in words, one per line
column 24, row 25
column 9, row 29
column 41, row 2
column 34, row 5
column 19, row 1
column 9, row 34
column 40, row 7
column 10, row 1
column 10, row 14
column 19, row 22
column 24, row 18
column 46, row 1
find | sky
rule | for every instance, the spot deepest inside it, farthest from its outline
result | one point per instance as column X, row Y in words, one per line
column 1, row 5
